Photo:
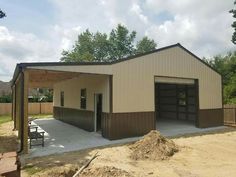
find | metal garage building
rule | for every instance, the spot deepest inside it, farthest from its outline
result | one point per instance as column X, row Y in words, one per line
column 127, row 97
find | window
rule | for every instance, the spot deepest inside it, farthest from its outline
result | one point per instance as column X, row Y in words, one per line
column 83, row 99
column 62, row 98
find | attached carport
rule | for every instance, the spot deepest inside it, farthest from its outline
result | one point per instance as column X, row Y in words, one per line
column 26, row 79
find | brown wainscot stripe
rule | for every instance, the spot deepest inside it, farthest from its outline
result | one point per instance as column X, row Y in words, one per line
column 80, row 118
column 210, row 118
column 124, row 125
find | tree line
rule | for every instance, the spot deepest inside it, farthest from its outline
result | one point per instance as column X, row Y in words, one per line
column 226, row 66
column 100, row 47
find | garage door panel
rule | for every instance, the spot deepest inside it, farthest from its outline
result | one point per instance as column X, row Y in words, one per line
column 191, row 109
column 192, row 117
column 169, row 115
column 168, row 108
column 167, row 93
column 175, row 101
column 191, row 100
column 164, row 100
column 167, row 86
column 182, row 116
column 182, row 109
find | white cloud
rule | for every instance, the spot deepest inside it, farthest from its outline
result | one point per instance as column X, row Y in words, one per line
column 18, row 47
column 204, row 27
column 68, row 36
column 138, row 11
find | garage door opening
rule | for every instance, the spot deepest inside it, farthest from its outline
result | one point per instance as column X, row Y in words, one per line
column 176, row 102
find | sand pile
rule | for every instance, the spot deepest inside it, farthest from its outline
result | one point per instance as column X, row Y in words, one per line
column 153, row 146
column 105, row 171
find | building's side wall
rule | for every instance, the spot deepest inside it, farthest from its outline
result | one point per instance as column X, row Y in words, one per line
column 71, row 111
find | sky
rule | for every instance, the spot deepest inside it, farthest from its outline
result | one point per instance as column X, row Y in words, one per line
column 38, row 30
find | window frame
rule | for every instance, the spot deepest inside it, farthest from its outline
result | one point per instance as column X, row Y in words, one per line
column 62, row 98
column 83, row 98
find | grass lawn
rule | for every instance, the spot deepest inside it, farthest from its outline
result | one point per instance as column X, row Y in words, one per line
column 5, row 118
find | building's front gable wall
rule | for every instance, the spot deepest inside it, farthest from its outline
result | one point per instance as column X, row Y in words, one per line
column 133, row 80
column 134, row 95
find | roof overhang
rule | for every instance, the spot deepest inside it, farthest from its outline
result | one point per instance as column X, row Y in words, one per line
column 90, row 67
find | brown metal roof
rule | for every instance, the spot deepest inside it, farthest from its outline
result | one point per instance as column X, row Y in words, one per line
column 21, row 66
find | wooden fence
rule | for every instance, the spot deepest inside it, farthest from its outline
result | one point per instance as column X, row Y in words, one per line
column 230, row 114
column 34, row 108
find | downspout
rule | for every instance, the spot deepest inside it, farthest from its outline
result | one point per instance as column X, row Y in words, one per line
column 12, row 104
column 22, row 112
column 15, row 106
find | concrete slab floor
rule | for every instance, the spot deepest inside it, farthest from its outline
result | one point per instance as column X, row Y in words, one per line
column 61, row 137
column 180, row 127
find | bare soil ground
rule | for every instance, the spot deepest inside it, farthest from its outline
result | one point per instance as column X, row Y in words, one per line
column 211, row 154
column 199, row 155
column 8, row 138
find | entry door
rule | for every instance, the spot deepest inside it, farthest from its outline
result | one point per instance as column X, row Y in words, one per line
column 98, row 111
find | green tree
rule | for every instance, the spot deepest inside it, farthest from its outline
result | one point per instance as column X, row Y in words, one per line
column 88, row 47
column 2, row 14
column 226, row 65
column 230, row 91
column 6, row 98
column 121, row 42
column 83, row 49
column 233, row 11
column 145, row 45
column 102, row 47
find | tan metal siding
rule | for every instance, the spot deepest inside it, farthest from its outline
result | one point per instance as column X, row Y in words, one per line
column 133, row 80
column 92, row 83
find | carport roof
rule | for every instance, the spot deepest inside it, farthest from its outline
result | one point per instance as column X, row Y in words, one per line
column 21, row 66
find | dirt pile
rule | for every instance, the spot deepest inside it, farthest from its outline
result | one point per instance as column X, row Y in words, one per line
column 63, row 171
column 153, row 146
column 105, row 171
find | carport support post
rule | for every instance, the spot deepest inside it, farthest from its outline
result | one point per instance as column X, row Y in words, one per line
column 25, row 135
column 13, row 116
